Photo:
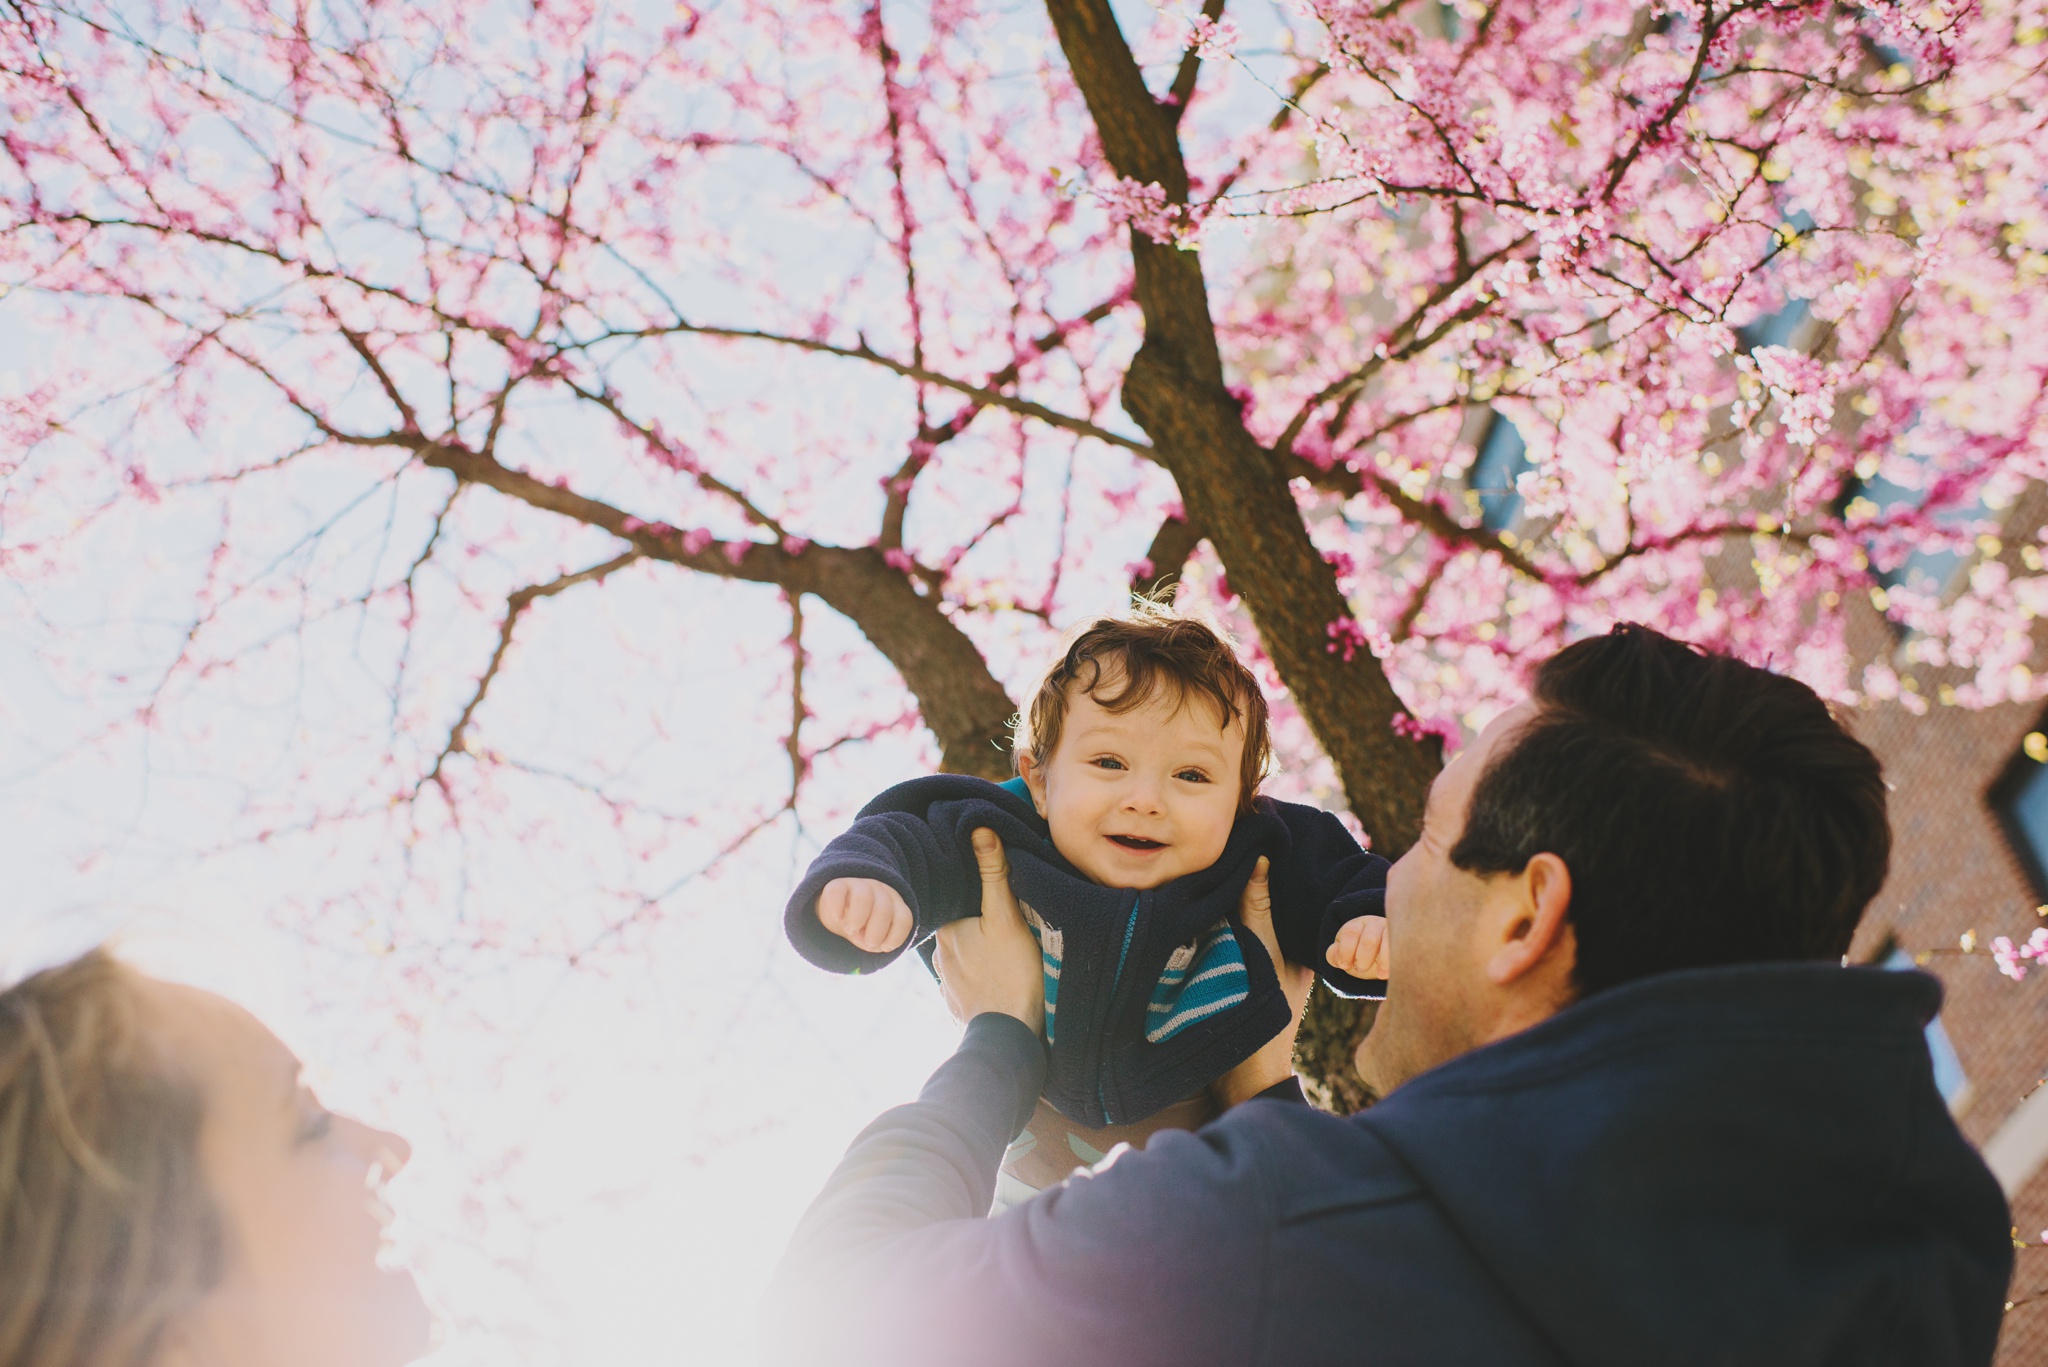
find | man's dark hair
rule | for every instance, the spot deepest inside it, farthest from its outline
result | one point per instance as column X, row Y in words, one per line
column 1710, row 812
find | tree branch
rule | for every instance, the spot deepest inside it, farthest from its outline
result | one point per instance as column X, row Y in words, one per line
column 1182, row 92
column 1436, row 519
column 1404, row 625
column 984, row 394
column 1158, row 575
column 515, row 607
column 931, row 436
column 1176, row 391
column 962, row 702
column 798, row 765
column 666, row 452
column 1401, row 344
column 1231, row 486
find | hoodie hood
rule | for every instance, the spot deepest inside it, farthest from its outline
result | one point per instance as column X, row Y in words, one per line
column 1621, row 1216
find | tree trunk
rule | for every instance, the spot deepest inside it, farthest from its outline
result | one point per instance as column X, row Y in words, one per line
column 1234, row 489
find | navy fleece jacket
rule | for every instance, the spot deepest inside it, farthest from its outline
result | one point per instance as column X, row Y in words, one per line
column 917, row 837
column 1717, row 1166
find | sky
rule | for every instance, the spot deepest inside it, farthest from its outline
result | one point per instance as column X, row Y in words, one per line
column 608, row 1157
column 620, row 1084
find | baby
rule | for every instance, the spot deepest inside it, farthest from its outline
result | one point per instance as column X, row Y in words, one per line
column 1131, row 832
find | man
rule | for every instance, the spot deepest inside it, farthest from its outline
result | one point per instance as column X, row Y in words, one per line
column 1636, row 1111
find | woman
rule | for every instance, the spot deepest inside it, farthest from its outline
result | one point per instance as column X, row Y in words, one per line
column 171, row 1194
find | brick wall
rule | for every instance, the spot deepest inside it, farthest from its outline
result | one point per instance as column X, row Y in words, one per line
column 1953, row 871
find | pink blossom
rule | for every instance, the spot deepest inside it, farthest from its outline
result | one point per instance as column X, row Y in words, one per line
column 1745, row 397
column 1147, row 209
column 1347, row 638
column 2012, row 960
column 1214, row 39
column 1415, row 728
column 1804, row 386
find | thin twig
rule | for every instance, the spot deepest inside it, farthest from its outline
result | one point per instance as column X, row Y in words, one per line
column 517, row 604
column 797, row 766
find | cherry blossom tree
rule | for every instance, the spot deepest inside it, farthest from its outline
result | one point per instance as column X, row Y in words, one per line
column 1414, row 338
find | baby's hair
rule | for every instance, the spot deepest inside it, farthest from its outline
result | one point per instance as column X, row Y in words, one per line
column 1153, row 647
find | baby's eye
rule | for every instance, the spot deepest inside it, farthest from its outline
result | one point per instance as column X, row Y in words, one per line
column 1107, row 762
column 1192, row 776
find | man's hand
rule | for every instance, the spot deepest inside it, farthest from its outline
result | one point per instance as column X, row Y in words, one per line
column 868, row 913
column 1274, row 1062
column 1361, row 948
column 991, row 962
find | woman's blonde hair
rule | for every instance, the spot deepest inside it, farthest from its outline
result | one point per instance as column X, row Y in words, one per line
column 107, row 1232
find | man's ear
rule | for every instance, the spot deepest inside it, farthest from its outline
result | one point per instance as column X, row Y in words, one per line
column 1533, row 927
column 1033, row 774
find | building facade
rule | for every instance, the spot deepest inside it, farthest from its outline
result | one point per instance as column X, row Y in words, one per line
column 1969, row 807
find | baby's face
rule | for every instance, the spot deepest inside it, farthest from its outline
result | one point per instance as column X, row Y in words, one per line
column 1137, row 799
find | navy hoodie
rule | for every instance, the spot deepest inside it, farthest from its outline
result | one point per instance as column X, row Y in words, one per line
column 918, row 838
column 1713, row 1167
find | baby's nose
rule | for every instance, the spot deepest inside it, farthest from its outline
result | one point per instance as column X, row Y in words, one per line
column 1143, row 794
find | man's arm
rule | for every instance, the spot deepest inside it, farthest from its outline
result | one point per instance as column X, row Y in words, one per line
column 935, row 1159
column 1155, row 1259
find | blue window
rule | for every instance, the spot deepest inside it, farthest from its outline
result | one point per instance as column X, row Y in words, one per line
column 2021, row 801
column 1930, row 571
column 1779, row 328
column 1774, row 329
column 1502, row 459
column 1948, row 1069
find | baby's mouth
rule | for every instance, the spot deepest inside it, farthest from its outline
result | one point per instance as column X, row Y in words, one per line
column 1138, row 842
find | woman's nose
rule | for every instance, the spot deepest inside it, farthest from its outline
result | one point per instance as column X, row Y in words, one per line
column 397, row 1153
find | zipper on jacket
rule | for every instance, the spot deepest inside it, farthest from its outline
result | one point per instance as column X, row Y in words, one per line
column 1102, row 1034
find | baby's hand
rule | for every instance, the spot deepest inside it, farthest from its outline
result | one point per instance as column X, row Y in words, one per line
column 869, row 913
column 1361, row 947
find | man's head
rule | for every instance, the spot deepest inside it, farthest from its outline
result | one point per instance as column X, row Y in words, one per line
column 1651, row 807
column 1142, row 745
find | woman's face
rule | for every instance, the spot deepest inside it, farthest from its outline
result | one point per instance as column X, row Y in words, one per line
column 300, row 1195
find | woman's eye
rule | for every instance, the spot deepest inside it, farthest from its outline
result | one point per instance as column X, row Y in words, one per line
column 315, row 1127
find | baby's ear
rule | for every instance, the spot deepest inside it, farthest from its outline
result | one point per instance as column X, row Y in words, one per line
column 1033, row 774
